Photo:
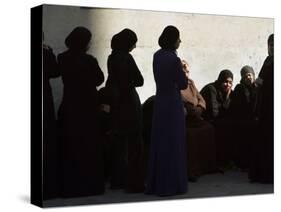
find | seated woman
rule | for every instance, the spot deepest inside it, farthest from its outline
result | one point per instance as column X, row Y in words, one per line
column 200, row 134
column 218, row 97
column 193, row 101
column 244, row 99
column 243, row 109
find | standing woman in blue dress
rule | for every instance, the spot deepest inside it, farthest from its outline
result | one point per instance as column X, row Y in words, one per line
column 167, row 173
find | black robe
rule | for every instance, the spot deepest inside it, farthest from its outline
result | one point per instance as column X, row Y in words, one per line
column 261, row 169
column 82, row 169
column 50, row 147
column 217, row 106
column 244, row 100
column 243, row 113
column 126, row 121
column 218, row 113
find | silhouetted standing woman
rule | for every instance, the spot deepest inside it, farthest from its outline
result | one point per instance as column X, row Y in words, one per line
column 262, row 167
column 167, row 173
column 81, row 148
column 50, row 148
column 126, row 116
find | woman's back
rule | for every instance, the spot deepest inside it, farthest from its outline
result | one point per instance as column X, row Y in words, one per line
column 123, row 73
column 165, row 67
column 80, row 74
column 167, row 168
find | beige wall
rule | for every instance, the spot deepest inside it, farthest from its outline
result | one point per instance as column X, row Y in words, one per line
column 210, row 43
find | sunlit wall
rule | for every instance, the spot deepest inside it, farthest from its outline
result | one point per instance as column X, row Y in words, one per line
column 210, row 43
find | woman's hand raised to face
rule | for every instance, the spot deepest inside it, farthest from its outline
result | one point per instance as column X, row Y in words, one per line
column 185, row 67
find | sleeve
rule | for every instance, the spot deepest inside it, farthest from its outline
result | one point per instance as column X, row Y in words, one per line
column 50, row 63
column 180, row 79
column 239, row 95
column 226, row 102
column 136, row 78
column 238, row 101
column 264, row 68
column 201, row 100
column 189, row 109
column 209, row 93
column 98, row 74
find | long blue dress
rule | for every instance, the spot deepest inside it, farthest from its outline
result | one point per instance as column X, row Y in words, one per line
column 167, row 173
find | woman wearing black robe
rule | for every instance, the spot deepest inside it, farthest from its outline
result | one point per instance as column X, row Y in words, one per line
column 50, row 146
column 262, row 167
column 81, row 148
column 218, row 97
column 243, row 107
column 126, row 115
column 244, row 99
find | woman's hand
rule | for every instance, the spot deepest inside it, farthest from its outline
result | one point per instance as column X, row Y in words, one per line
column 185, row 66
column 228, row 94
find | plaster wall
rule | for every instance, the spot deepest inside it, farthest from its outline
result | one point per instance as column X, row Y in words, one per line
column 210, row 43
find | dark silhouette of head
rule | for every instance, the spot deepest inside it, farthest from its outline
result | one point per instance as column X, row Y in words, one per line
column 169, row 38
column 270, row 45
column 124, row 40
column 78, row 39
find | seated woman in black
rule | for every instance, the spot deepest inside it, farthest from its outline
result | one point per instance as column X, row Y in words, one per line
column 244, row 97
column 243, row 111
column 218, row 97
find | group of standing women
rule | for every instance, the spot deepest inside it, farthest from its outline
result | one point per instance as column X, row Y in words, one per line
column 80, row 141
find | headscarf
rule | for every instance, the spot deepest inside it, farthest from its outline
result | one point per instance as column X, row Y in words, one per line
column 124, row 40
column 224, row 74
column 270, row 39
column 247, row 69
column 168, row 38
column 78, row 39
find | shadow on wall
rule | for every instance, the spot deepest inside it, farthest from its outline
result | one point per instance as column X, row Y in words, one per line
column 207, row 51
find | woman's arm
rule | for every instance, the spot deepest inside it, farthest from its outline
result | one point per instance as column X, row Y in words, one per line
column 181, row 80
column 136, row 77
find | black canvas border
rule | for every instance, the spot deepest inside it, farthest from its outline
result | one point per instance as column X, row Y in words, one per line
column 36, row 106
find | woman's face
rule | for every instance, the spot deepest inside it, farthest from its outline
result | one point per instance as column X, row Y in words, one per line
column 227, row 84
column 248, row 79
column 177, row 44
